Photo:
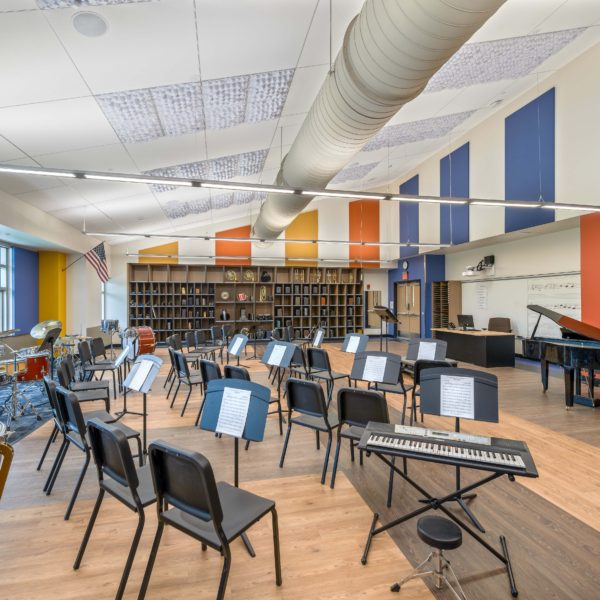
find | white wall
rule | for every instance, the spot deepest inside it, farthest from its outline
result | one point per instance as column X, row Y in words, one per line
column 84, row 308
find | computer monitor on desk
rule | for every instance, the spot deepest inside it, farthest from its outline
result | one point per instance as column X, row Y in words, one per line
column 465, row 321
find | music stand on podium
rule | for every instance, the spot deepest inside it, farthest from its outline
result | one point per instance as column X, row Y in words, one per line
column 279, row 356
column 140, row 379
column 236, row 346
column 355, row 342
column 237, row 408
column 461, row 394
column 386, row 316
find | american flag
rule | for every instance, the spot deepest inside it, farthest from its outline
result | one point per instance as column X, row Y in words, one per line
column 97, row 258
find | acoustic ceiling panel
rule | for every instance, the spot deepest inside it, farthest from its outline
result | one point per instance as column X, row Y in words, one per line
column 50, row 4
column 177, row 209
column 353, row 172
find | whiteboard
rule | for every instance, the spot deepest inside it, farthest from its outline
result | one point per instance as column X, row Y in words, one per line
column 510, row 297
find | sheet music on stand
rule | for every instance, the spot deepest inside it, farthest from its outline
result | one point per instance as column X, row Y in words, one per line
column 234, row 411
column 457, row 396
column 375, row 368
column 143, row 373
column 237, row 344
column 426, row 351
column 355, row 343
column 319, row 335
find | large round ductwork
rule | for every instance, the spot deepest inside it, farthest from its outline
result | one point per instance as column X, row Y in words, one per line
column 391, row 49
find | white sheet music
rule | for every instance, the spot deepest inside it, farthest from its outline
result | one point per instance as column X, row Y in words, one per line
column 374, row 368
column 236, row 346
column 121, row 358
column 457, row 396
column 426, row 351
column 141, row 373
column 234, row 411
column 318, row 338
column 353, row 342
column 276, row 355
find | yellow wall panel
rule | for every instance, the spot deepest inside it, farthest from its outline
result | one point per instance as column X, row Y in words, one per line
column 52, row 280
column 304, row 227
column 170, row 248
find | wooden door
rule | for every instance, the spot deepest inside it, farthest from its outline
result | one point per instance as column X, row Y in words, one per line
column 408, row 308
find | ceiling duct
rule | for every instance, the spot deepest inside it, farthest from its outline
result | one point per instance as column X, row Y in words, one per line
column 391, row 49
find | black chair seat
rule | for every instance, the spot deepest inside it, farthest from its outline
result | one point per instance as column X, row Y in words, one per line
column 145, row 490
column 240, row 510
column 91, row 395
column 106, row 417
column 439, row 532
column 82, row 386
column 194, row 380
column 329, row 376
column 352, row 433
column 100, row 367
column 316, row 422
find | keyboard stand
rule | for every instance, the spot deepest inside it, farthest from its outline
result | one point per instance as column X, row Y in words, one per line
column 433, row 503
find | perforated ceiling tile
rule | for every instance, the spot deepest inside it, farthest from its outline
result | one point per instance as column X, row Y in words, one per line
column 224, row 167
column 225, row 101
column 508, row 58
column 49, row 4
column 132, row 115
column 416, row 131
column 354, row 171
column 179, row 108
column 177, row 209
column 267, row 93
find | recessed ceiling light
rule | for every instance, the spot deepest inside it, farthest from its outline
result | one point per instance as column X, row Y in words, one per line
column 89, row 23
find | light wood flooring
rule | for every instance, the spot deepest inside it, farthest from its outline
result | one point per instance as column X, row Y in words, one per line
column 552, row 524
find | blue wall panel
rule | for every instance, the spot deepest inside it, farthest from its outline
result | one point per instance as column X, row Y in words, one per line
column 409, row 217
column 529, row 161
column 454, row 182
column 25, row 289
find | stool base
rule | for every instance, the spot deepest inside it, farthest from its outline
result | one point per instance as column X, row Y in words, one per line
column 440, row 567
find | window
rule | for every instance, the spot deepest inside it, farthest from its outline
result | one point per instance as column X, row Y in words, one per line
column 5, row 312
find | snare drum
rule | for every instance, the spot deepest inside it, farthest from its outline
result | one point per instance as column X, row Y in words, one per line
column 36, row 366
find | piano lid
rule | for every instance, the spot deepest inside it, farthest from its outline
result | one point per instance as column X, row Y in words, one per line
column 579, row 328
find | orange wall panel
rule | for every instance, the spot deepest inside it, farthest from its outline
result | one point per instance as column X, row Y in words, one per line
column 171, row 248
column 364, row 227
column 304, row 227
column 590, row 268
column 228, row 248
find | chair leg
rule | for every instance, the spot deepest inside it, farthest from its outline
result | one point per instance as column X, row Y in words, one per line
column 404, row 409
column 175, row 394
column 326, row 461
column 168, row 378
column 51, row 440
column 78, row 485
column 58, row 461
column 88, row 530
column 226, row 567
column 285, row 444
column 131, row 556
column 391, row 484
column 187, row 399
column 280, row 416
column 360, row 460
column 318, row 439
column 151, row 560
column 138, row 439
column 200, row 412
column 278, row 579
column 114, row 384
column 335, row 461
column 170, row 387
column 351, row 450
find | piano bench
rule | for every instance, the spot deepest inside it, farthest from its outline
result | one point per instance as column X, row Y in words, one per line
column 439, row 532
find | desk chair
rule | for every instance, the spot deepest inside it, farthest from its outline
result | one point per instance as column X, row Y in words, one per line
column 76, row 434
column 209, row 370
column 320, row 368
column 191, row 501
column 118, row 477
column 184, row 376
column 501, row 324
column 420, row 366
column 306, row 398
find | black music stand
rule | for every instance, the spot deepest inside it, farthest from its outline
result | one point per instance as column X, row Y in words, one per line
column 376, row 367
column 49, row 340
column 236, row 346
column 140, row 379
column 355, row 342
column 279, row 359
column 386, row 316
column 480, row 404
column 241, row 414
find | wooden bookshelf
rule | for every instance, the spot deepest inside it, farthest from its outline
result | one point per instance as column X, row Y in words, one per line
column 446, row 302
column 178, row 298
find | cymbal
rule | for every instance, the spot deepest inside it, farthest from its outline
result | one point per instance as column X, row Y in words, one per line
column 40, row 330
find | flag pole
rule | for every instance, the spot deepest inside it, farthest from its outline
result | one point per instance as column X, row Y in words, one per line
column 76, row 260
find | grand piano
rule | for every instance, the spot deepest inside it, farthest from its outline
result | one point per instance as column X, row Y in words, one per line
column 577, row 351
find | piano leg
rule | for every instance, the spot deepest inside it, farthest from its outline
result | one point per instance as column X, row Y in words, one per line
column 569, row 374
column 544, row 372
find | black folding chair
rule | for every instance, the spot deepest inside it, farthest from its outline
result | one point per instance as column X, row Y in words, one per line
column 83, row 395
column 215, row 514
column 209, row 370
column 118, row 477
column 185, row 377
column 306, row 398
column 319, row 368
column 233, row 372
column 90, row 368
column 79, row 386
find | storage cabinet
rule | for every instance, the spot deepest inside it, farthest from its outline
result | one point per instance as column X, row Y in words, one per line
column 446, row 302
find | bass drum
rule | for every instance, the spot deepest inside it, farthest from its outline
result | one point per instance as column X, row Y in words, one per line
column 146, row 340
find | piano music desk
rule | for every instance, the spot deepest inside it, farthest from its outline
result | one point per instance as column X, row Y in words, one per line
column 483, row 348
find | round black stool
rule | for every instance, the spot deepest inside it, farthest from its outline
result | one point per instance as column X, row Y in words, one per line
column 439, row 534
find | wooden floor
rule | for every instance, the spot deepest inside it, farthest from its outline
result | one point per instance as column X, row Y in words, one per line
column 552, row 524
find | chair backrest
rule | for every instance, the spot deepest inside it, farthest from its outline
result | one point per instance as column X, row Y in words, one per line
column 74, row 421
column 176, row 342
column 421, row 365
column 209, row 370
column 186, row 481
column 502, row 324
column 298, row 359
column 112, row 455
column 85, row 353
column 68, row 360
column 318, row 359
column 288, row 333
column 276, row 334
column 306, row 397
column 172, row 357
column 181, row 366
column 233, row 372
column 357, row 407
column 58, row 415
column 98, row 348
column 412, row 353
column 63, row 374
column 200, row 335
column 190, row 340
column 216, row 334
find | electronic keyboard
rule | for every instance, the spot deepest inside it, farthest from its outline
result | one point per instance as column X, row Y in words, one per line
column 449, row 447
